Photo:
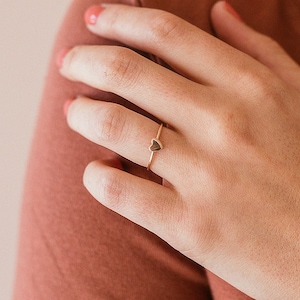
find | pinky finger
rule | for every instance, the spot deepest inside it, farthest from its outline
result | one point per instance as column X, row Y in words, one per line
column 267, row 51
column 142, row 201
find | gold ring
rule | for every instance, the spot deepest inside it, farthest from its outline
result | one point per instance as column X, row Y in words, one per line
column 155, row 146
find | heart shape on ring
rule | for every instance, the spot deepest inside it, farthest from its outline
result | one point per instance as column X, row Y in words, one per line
column 156, row 145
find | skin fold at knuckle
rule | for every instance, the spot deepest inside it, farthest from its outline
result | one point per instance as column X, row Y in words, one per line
column 121, row 69
column 111, row 191
column 163, row 28
column 109, row 124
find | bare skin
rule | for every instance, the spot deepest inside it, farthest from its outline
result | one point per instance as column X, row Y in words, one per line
column 230, row 200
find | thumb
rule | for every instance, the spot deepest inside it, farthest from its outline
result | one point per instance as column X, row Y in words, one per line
column 231, row 29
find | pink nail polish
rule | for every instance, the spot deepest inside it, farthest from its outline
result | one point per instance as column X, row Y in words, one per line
column 91, row 15
column 232, row 11
column 67, row 105
column 61, row 56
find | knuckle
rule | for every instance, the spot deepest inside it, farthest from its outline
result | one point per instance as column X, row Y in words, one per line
column 164, row 27
column 236, row 127
column 121, row 68
column 110, row 123
column 230, row 127
column 113, row 190
column 261, row 86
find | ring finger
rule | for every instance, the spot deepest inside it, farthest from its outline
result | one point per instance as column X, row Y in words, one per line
column 125, row 132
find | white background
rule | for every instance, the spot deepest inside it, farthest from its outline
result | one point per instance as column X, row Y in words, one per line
column 27, row 30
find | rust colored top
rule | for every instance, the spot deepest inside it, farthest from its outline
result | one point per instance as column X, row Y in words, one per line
column 71, row 247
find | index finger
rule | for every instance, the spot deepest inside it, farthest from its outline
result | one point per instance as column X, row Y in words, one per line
column 188, row 49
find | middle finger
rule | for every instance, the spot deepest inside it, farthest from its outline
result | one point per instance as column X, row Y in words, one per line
column 137, row 79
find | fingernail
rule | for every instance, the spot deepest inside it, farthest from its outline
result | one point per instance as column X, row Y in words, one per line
column 67, row 105
column 91, row 15
column 61, row 56
column 232, row 11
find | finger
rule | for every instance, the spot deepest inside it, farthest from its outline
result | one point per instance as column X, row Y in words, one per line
column 122, row 71
column 185, row 47
column 125, row 132
column 230, row 28
column 144, row 202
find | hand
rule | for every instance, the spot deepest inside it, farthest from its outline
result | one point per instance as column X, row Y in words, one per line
column 230, row 163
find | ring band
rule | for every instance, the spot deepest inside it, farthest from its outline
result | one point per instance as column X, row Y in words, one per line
column 155, row 146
